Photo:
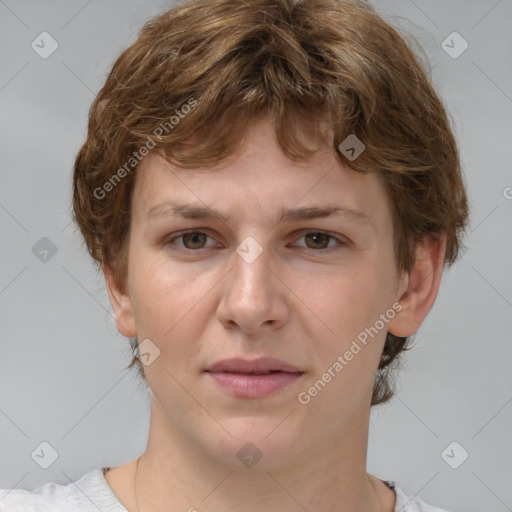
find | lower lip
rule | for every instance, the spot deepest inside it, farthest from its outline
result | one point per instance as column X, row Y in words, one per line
column 253, row 386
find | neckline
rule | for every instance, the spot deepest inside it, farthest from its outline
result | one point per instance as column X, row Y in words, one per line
column 391, row 484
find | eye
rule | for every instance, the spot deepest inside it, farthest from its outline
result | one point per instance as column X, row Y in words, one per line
column 320, row 240
column 192, row 240
column 196, row 240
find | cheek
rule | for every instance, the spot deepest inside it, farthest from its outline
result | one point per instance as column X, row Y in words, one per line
column 165, row 298
column 349, row 304
column 349, row 351
column 344, row 301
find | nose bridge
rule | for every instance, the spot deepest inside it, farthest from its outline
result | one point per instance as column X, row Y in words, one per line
column 251, row 297
column 251, row 277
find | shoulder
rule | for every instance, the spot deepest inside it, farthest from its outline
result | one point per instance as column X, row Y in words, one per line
column 89, row 493
column 406, row 503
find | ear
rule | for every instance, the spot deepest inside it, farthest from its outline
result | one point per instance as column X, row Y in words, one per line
column 418, row 289
column 121, row 305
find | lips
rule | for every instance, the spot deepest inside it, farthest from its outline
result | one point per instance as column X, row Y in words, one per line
column 255, row 378
column 256, row 366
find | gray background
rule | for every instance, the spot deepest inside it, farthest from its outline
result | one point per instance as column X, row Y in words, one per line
column 61, row 368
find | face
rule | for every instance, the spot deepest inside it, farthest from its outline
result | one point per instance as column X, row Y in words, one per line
column 229, row 297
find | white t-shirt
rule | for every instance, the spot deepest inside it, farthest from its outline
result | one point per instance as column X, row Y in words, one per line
column 91, row 493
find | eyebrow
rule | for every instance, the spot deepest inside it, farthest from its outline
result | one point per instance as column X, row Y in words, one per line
column 192, row 211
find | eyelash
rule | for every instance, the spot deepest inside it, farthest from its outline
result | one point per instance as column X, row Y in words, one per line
column 340, row 245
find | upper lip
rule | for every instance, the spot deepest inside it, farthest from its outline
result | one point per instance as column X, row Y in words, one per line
column 261, row 365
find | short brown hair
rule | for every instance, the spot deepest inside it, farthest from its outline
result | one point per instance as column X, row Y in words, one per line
column 305, row 62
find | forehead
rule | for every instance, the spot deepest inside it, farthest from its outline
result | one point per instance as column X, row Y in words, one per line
column 260, row 181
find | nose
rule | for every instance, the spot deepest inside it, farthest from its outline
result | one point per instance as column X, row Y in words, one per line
column 253, row 297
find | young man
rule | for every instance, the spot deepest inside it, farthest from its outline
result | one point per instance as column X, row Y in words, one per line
column 272, row 190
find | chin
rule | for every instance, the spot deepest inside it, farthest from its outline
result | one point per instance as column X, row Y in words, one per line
column 256, row 443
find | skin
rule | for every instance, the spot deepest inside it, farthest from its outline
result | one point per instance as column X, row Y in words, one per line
column 297, row 301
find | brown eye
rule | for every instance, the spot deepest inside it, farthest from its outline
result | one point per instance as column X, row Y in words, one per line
column 317, row 240
column 194, row 240
column 190, row 241
column 321, row 242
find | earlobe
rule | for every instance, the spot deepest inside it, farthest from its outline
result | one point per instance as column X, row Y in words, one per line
column 421, row 287
column 121, row 305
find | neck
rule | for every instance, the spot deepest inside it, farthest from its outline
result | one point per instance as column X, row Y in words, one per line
column 176, row 474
